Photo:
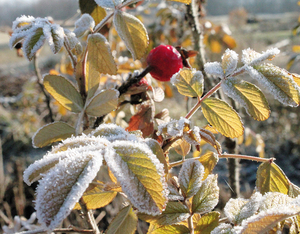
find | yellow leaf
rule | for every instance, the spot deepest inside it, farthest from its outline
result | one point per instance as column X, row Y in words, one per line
column 189, row 82
column 222, row 117
column 296, row 48
column 249, row 96
column 229, row 41
column 169, row 229
column 64, row 92
column 182, row 1
column 209, row 161
column 61, row 109
column 91, row 8
column 182, row 147
column 103, row 103
column 168, row 91
column 296, row 78
column 98, row 14
column 207, row 223
column 132, row 32
column 294, row 190
column 96, row 198
column 99, row 60
column 52, row 132
column 125, row 222
column 215, row 46
column 270, row 178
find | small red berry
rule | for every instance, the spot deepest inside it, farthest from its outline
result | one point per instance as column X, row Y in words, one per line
column 165, row 61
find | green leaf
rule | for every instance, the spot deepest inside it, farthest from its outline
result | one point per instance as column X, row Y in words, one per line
column 249, row 96
column 169, row 229
column 103, row 102
column 96, row 198
column 207, row 223
column 52, row 132
column 99, row 60
column 175, row 212
column 64, row 92
column 207, row 197
column 125, row 222
column 190, row 177
column 140, row 174
column 33, row 43
column 209, row 161
column 189, row 82
column 90, row 7
column 133, row 33
column 222, row 117
column 270, row 178
column 279, row 83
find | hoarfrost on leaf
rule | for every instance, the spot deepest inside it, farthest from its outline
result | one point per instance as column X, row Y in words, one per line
column 214, row 68
column 229, row 61
column 83, row 24
column 173, row 128
column 223, row 228
column 252, row 57
column 108, row 4
column 273, row 200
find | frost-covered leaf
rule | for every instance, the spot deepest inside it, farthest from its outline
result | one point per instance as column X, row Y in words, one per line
column 252, row 57
column 223, row 228
column 189, row 82
column 236, row 210
column 169, row 229
column 97, row 197
column 209, row 161
column 91, row 8
column 270, row 178
column 173, row 128
column 214, row 68
column 296, row 78
column 112, row 132
column 64, row 92
column 83, row 24
column 71, row 38
column 140, row 174
column 22, row 22
column 207, row 223
column 207, row 197
column 249, row 96
column 20, row 34
column 99, row 60
column 294, row 190
column 110, row 4
column 125, row 222
column 132, row 32
column 278, row 82
column 229, row 61
column 62, row 187
column 174, row 191
column 190, row 177
column 157, row 150
column 222, row 117
column 175, row 212
column 52, row 132
column 54, row 37
column 209, row 137
column 273, row 200
column 103, row 102
column 33, row 42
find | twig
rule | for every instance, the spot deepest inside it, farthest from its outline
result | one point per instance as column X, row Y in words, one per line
column 89, row 216
column 39, row 79
column 67, row 230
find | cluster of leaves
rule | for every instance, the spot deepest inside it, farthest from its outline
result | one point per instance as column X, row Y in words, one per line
column 137, row 159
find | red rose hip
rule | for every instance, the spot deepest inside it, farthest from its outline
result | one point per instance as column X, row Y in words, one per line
column 164, row 62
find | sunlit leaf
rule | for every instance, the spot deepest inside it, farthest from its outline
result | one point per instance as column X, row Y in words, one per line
column 175, row 212
column 132, row 32
column 189, row 82
column 182, row 147
column 294, row 190
column 52, row 132
column 229, row 41
column 208, row 136
column 270, row 178
column 96, row 198
column 103, row 102
column 140, row 174
column 207, row 223
column 182, row 1
column 90, row 7
column 296, row 78
column 169, row 229
column 207, row 197
column 249, row 96
column 64, row 92
column 229, row 61
column 222, row 117
column 125, row 222
column 209, row 161
column 190, row 177
column 157, row 150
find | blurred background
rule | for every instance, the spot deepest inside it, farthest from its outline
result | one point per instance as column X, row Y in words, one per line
column 234, row 24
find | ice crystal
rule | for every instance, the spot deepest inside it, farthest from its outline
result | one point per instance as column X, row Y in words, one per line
column 193, row 136
column 252, row 57
column 109, row 4
column 71, row 37
column 214, row 68
column 173, row 128
column 229, row 61
column 83, row 24
column 223, row 228
column 273, row 200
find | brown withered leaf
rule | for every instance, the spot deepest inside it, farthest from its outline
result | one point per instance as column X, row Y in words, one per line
column 209, row 137
column 143, row 119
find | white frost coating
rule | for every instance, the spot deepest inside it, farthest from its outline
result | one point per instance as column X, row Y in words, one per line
column 64, row 184
column 131, row 186
column 190, row 177
column 233, row 207
column 273, row 200
column 196, row 133
column 56, row 39
column 229, row 61
column 108, row 4
column 276, row 76
column 19, row 35
column 214, row 68
column 20, row 20
column 83, row 24
column 223, row 228
column 173, row 128
column 71, row 37
column 252, row 57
